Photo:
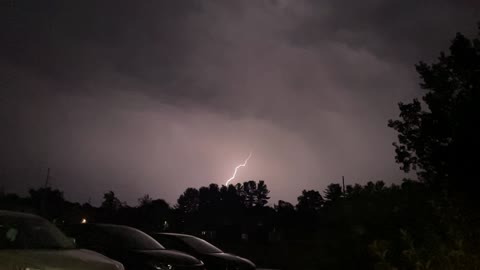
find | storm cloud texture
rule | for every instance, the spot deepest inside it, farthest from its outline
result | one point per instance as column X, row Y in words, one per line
column 157, row 96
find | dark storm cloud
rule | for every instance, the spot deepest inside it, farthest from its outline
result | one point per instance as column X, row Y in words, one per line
column 85, row 39
column 403, row 31
column 156, row 96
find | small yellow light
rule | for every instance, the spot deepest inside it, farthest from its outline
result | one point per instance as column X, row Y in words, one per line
column 84, row 220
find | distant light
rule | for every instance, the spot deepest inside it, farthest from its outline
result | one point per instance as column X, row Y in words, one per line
column 84, row 221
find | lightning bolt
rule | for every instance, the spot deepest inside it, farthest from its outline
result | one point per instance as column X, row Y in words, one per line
column 238, row 167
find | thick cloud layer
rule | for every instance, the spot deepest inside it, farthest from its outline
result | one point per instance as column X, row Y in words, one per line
column 157, row 96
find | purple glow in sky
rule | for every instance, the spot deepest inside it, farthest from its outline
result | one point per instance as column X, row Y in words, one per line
column 157, row 96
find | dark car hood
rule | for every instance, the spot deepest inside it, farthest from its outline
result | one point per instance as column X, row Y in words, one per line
column 168, row 256
column 227, row 259
column 75, row 259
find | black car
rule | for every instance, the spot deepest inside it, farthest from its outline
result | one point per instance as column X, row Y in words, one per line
column 133, row 248
column 213, row 257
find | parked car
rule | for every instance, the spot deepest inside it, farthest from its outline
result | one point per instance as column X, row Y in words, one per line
column 31, row 242
column 213, row 257
column 133, row 248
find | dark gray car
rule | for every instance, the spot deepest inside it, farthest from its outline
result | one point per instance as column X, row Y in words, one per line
column 133, row 248
column 213, row 257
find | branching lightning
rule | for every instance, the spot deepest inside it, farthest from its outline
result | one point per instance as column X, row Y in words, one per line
column 238, row 167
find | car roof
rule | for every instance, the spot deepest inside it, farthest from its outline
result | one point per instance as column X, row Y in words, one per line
column 101, row 227
column 104, row 225
column 173, row 234
column 14, row 214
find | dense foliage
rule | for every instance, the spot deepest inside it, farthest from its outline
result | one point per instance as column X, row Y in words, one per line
column 441, row 141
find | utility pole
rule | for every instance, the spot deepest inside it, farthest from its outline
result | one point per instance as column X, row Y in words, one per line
column 343, row 184
column 43, row 203
column 47, row 178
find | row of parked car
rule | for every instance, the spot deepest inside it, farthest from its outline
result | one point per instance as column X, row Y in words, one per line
column 29, row 242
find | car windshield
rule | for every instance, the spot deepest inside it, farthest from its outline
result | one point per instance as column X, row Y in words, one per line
column 25, row 232
column 200, row 245
column 130, row 238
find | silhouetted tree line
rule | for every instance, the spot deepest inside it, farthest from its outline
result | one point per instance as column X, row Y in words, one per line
column 322, row 229
column 431, row 223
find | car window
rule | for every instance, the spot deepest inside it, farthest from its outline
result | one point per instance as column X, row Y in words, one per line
column 31, row 233
column 172, row 243
column 115, row 237
column 199, row 245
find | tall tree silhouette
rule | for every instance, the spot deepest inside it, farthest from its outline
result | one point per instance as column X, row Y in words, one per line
column 262, row 194
column 154, row 214
column 353, row 191
column 248, row 193
column 310, row 201
column 111, row 202
column 231, row 199
column 254, row 195
column 209, row 198
column 188, row 202
column 284, row 207
column 145, row 200
column 440, row 141
column 333, row 192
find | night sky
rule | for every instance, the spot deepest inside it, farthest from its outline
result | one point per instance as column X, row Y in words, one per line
column 157, row 96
